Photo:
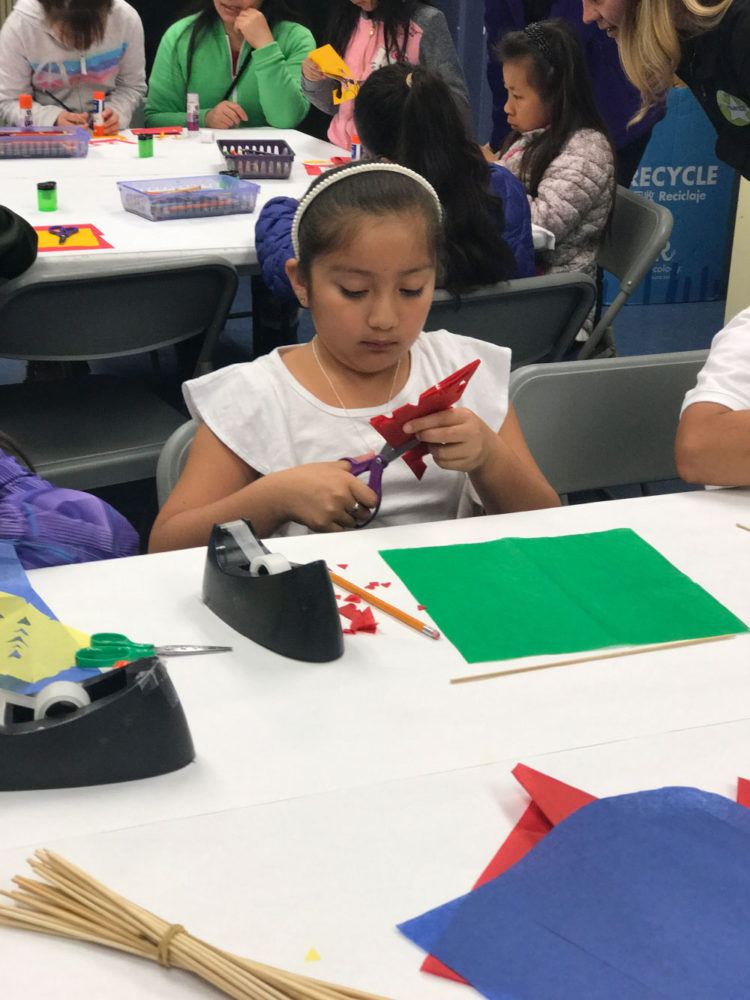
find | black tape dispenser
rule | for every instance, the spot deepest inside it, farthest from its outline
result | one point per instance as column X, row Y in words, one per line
column 124, row 724
column 288, row 608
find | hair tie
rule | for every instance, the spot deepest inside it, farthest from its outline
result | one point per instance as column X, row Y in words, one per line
column 344, row 172
column 538, row 38
column 408, row 79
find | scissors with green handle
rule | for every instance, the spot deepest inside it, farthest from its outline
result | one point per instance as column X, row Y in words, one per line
column 108, row 647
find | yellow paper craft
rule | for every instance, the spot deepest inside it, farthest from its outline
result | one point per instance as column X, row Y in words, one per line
column 34, row 645
column 88, row 237
column 327, row 59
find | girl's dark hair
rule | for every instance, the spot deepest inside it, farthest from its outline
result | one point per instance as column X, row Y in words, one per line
column 395, row 16
column 273, row 11
column 82, row 22
column 407, row 114
column 560, row 76
column 332, row 216
column 11, row 447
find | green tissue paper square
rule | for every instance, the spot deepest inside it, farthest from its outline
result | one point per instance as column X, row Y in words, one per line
column 526, row 596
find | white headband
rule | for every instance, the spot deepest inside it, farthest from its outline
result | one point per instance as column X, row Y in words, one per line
column 348, row 172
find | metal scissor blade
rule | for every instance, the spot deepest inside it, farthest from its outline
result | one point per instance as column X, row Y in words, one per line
column 188, row 650
column 389, row 453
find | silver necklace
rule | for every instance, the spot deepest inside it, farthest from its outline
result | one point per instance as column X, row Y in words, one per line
column 340, row 401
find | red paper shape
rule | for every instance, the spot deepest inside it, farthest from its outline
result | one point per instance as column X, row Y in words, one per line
column 743, row 792
column 362, row 619
column 353, row 599
column 551, row 802
column 386, row 584
column 372, row 585
column 438, row 397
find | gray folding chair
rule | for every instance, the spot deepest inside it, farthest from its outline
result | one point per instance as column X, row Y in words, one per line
column 606, row 421
column 537, row 318
column 97, row 430
column 637, row 234
column 172, row 459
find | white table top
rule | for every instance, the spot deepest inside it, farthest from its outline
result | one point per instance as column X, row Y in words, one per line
column 330, row 801
column 87, row 193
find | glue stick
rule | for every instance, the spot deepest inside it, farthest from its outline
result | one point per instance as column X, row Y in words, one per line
column 193, row 112
column 24, row 103
column 97, row 113
column 356, row 147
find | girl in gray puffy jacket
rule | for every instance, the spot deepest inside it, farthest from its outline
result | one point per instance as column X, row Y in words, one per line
column 559, row 146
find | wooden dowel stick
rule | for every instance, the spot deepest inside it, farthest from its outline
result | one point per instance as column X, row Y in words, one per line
column 743, row 526
column 590, row 659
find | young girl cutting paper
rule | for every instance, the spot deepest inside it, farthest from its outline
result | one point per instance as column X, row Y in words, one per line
column 368, row 243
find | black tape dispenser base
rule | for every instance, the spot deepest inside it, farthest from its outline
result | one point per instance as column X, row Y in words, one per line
column 290, row 609
column 124, row 724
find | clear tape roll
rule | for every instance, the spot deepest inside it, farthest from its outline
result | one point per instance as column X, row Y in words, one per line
column 60, row 698
column 269, row 565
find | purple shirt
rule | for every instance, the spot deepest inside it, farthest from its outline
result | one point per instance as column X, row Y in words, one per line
column 50, row 525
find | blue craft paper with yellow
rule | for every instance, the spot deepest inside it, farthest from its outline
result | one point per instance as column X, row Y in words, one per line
column 36, row 647
column 636, row 897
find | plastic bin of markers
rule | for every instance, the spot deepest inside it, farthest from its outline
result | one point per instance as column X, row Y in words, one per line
column 266, row 158
column 45, row 141
column 188, row 197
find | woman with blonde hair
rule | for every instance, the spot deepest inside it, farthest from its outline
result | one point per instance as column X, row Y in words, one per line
column 707, row 46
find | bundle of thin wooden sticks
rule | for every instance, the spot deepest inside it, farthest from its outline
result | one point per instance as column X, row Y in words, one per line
column 70, row 903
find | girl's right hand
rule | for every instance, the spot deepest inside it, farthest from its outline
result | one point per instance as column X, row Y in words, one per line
column 226, row 114
column 71, row 118
column 324, row 496
column 311, row 71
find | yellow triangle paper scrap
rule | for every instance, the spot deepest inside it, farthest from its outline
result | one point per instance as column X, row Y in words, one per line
column 312, row 956
column 328, row 61
column 33, row 645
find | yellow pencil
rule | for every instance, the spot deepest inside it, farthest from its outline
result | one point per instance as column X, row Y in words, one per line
column 389, row 609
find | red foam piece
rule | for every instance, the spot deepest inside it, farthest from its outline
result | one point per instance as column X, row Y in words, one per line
column 362, row 619
column 438, row 397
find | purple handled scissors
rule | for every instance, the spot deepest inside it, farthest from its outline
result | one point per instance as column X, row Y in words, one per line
column 63, row 233
column 376, row 466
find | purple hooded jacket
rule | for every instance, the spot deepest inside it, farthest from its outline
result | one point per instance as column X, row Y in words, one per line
column 50, row 526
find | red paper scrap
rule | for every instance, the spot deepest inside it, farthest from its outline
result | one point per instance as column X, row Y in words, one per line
column 352, row 599
column 743, row 792
column 386, row 584
column 372, row 585
column 438, row 397
column 362, row 619
column 342, row 565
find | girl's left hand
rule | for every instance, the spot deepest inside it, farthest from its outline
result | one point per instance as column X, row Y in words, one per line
column 111, row 121
column 254, row 27
column 457, row 438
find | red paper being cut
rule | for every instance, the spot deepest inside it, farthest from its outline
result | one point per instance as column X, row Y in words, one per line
column 439, row 397
column 362, row 619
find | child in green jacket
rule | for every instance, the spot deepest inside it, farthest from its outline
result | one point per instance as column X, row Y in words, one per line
column 244, row 63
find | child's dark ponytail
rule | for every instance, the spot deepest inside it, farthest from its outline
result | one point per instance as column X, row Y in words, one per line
column 407, row 114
